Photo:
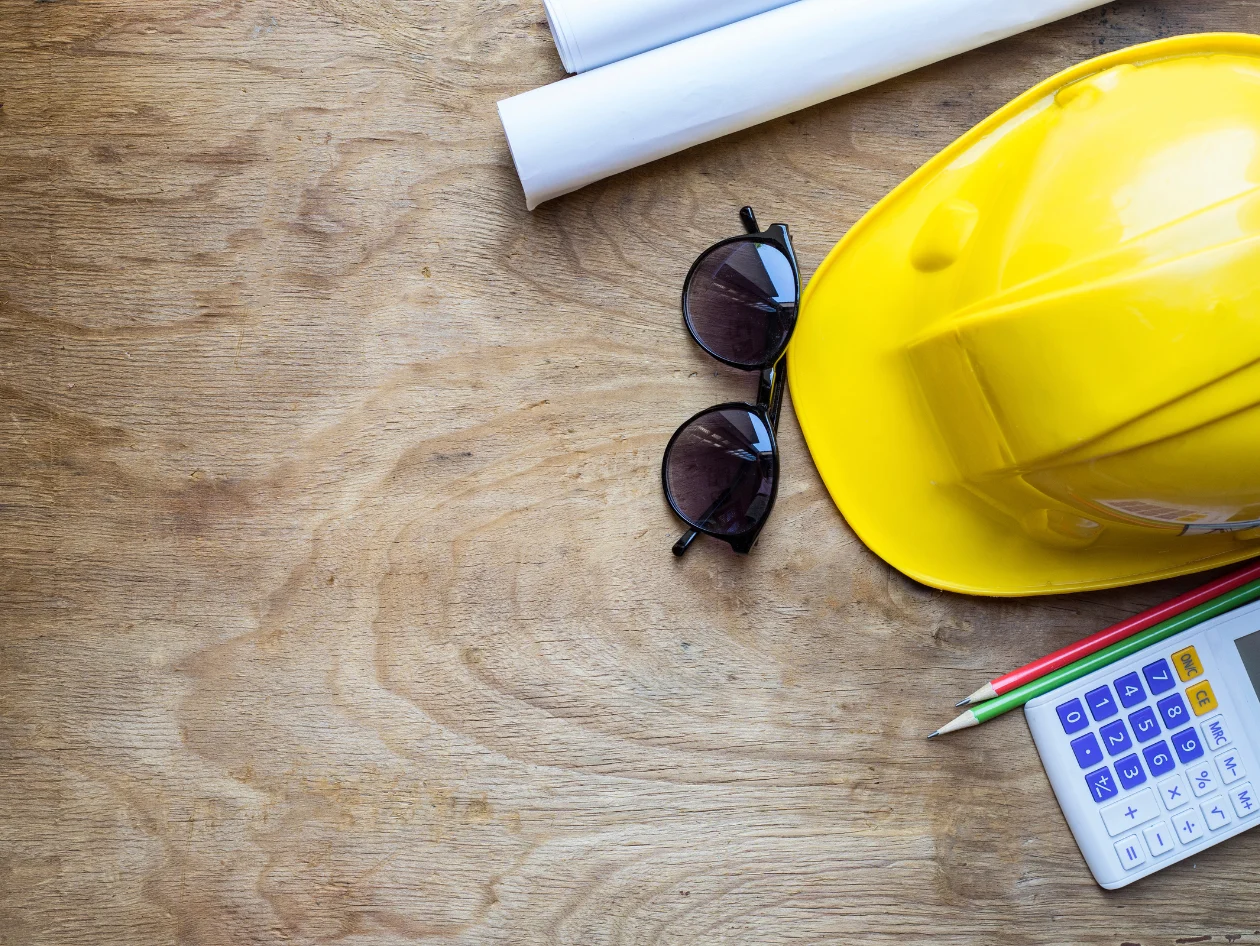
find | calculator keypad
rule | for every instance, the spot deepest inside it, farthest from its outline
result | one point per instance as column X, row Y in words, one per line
column 1164, row 773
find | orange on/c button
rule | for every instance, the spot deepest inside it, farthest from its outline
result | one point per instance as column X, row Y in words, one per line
column 1187, row 664
column 1202, row 698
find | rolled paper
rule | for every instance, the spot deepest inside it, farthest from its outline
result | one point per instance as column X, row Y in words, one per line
column 588, row 127
column 593, row 33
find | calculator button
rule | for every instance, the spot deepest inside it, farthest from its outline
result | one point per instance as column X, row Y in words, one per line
column 1159, row 677
column 1128, row 814
column 1174, row 711
column 1159, row 758
column 1131, row 854
column 1202, row 699
column 1159, row 838
column 1102, row 785
column 1215, row 734
column 1116, row 738
column 1129, row 688
column 1087, row 751
column 1187, row 664
column 1129, row 772
column 1174, row 792
column 1216, row 812
column 1072, row 716
column 1188, row 825
column 1245, row 801
column 1202, row 780
column 1230, row 765
column 1101, row 703
column 1145, row 725
column 1188, row 745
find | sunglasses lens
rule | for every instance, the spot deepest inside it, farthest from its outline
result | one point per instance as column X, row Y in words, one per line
column 741, row 302
column 720, row 471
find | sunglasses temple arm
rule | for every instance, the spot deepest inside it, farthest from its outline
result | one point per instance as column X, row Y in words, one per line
column 749, row 220
column 681, row 546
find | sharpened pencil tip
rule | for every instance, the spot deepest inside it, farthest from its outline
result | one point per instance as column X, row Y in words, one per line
column 966, row 702
column 935, row 734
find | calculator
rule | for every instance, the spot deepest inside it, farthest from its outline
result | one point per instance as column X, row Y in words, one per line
column 1154, row 759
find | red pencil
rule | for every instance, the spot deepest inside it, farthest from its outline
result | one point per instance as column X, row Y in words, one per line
column 1112, row 635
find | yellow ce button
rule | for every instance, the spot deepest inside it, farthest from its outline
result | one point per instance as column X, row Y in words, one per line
column 1202, row 698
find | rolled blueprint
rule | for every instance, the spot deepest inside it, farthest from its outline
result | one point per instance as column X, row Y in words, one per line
column 579, row 130
column 593, row 33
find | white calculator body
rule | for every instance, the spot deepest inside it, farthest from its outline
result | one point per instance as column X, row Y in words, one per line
column 1154, row 758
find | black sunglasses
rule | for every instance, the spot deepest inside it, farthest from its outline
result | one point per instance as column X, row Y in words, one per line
column 721, row 468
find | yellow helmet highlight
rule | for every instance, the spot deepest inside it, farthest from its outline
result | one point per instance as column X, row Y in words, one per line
column 1035, row 366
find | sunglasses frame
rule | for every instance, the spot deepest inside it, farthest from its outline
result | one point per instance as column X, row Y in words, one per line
column 769, row 394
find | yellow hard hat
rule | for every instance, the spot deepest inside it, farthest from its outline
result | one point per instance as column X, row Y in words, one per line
column 1035, row 366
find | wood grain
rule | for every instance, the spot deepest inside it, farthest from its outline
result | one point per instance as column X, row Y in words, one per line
column 335, row 590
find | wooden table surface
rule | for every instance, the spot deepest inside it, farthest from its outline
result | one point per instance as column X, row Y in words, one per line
column 335, row 588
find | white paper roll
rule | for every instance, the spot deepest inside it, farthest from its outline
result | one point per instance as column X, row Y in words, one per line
column 593, row 33
column 585, row 128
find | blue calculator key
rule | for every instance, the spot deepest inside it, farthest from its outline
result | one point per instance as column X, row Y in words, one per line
column 1145, row 725
column 1129, row 771
column 1116, row 738
column 1072, row 716
column 1159, row 677
column 1101, row 784
column 1174, row 711
column 1159, row 758
column 1188, row 745
column 1130, row 689
column 1101, row 703
column 1087, row 751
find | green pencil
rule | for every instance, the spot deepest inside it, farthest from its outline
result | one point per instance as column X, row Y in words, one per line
column 1086, row 665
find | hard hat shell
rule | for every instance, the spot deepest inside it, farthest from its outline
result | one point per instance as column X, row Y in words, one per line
column 1035, row 366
